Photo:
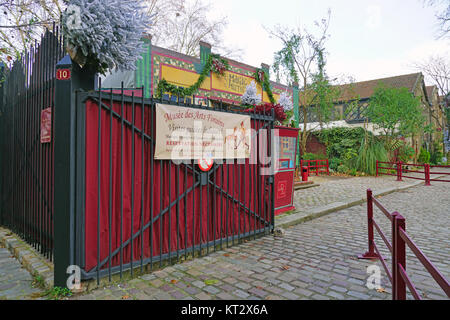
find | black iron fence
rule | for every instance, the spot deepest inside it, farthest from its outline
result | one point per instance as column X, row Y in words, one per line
column 80, row 183
column 26, row 158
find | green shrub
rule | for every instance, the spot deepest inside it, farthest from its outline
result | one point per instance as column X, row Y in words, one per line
column 370, row 151
column 406, row 153
column 424, row 156
column 343, row 168
column 313, row 156
column 340, row 140
column 436, row 157
column 342, row 145
column 436, row 153
column 334, row 163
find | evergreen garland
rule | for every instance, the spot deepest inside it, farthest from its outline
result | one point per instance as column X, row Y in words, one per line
column 214, row 63
column 264, row 83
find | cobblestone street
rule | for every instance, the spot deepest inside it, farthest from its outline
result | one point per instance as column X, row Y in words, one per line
column 225, row 158
column 314, row 260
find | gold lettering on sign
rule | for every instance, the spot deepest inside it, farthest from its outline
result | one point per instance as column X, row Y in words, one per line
column 232, row 82
column 237, row 83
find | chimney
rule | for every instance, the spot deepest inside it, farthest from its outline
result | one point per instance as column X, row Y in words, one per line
column 147, row 36
column 205, row 51
column 266, row 68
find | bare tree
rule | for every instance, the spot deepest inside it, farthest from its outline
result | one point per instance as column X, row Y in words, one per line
column 176, row 24
column 437, row 69
column 443, row 16
column 180, row 25
column 297, row 62
column 23, row 21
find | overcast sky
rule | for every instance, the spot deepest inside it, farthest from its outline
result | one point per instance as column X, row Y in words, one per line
column 368, row 39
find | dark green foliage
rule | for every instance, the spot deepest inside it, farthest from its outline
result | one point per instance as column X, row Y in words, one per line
column 370, row 151
column 343, row 169
column 424, row 156
column 395, row 110
column 164, row 86
column 334, row 163
column 405, row 153
column 436, row 153
column 313, row 156
column 341, row 143
column 436, row 157
column 352, row 149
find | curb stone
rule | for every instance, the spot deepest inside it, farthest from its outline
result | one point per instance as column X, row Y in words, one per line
column 31, row 260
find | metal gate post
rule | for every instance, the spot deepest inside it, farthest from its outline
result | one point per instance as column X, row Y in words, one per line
column 371, row 254
column 2, row 138
column 427, row 175
column 377, row 168
column 64, row 172
column 272, row 179
column 69, row 79
column 399, row 171
column 398, row 257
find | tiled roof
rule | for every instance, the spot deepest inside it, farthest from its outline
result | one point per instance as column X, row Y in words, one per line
column 365, row 89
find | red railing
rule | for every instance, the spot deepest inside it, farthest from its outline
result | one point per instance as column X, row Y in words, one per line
column 401, row 168
column 316, row 166
column 397, row 275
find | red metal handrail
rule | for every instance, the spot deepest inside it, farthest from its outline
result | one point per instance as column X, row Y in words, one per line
column 316, row 166
column 437, row 276
column 398, row 275
column 400, row 169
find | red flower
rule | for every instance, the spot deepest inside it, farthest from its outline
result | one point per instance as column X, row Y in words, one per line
column 218, row 66
column 265, row 108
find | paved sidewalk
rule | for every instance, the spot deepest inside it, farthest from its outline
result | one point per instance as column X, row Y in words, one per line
column 342, row 189
column 314, row 260
column 15, row 281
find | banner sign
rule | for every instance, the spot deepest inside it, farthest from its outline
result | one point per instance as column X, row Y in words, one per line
column 46, row 125
column 191, row 133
